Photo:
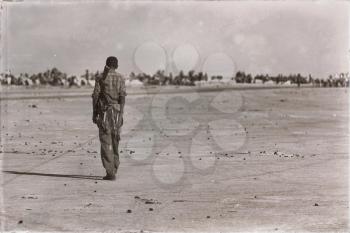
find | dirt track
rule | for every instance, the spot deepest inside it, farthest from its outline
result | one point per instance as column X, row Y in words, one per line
column 235, row 160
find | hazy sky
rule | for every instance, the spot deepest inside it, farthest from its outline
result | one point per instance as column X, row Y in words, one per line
column 216, row 37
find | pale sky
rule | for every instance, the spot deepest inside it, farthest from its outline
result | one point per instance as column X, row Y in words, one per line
column 215, row 37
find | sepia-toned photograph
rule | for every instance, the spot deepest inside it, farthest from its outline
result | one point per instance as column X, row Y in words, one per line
column 174, row 116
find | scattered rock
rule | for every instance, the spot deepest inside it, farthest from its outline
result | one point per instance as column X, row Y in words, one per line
column 173, row 218
column 20, row 221
column 150, row 209
column 147, row 201
column 128, row 211
column 208, row 216
column 315, row 204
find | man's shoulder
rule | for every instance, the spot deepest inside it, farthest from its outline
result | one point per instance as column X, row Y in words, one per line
column 119, row 76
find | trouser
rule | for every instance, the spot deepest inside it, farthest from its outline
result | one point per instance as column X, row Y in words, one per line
column 109, row 151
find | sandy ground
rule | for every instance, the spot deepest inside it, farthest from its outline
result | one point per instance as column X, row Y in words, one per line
column 265, row 160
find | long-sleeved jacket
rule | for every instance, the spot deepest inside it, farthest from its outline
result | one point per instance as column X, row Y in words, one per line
column 109, row 93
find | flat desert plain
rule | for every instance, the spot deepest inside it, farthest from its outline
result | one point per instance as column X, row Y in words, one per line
column 201, row 160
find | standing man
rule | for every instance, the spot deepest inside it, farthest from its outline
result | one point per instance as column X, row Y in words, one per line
column 108, row 101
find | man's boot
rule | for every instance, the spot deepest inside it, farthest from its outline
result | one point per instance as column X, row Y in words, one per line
column 109, row 177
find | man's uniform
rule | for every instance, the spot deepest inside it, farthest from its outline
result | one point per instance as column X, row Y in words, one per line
column 108, row 111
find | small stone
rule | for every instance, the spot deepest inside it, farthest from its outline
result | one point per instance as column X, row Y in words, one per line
column 137, row 197
column 128, row 211
column 315, row 204
column 208, row 216
column 20, row 221
column 150, row 209
column 173, row 218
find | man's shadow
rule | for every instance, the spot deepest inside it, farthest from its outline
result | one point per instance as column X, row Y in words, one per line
column 55, row 175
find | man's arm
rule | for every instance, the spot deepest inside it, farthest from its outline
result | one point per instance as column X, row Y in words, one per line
column 122, row 94
column 95, row 96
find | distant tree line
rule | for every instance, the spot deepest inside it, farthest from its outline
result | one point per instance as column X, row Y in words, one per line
column 55, row 77
column 52, row 77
